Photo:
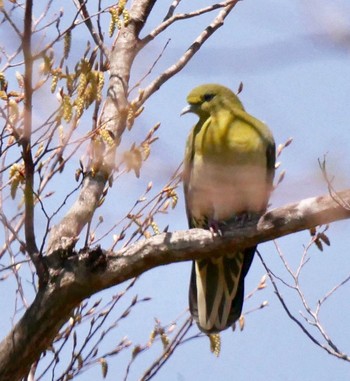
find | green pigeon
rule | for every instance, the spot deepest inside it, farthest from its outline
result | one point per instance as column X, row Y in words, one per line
column 228, row 174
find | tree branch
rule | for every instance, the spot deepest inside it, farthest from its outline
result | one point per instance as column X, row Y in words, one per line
column 113, row 121
column 31, row 246
column 179, row 246
column 79, row 276
column 186, row 57
column 169, row 20
column 81, row 6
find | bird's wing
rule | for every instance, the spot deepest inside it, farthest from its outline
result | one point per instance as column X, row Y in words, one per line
column 187, row 172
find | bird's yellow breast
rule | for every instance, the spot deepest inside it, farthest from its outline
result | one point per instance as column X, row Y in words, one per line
column 224, row 138
column 229, row 169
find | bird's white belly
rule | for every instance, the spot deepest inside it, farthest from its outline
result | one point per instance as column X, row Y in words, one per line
column 221, row 191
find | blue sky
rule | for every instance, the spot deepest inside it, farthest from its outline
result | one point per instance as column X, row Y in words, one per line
column 294, row 62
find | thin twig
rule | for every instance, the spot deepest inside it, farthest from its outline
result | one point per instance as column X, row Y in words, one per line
column 186, row 57
column 285, row 307
column 184, row 16
column 164, row 357
column 332, row 348
column 335, row 195
column 331, row 292
column 81, row 6
column 138, row 83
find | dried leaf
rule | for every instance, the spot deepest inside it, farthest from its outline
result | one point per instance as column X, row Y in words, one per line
column 171, row 328
column 313, row 231
column 104, row 366
column 152, row 336
column 319, row 245
column 241, row 322
column 133, row 160
column 80, row 361
column 281, row 177
column 137, row 349
column 281, row 147
column 20, row 79
column 264, row 304
column 288, row 142
column 124, row 314
column 262, row 283
column 165, row 340
column 78, row 172
column 325, row 239
column 67, row 43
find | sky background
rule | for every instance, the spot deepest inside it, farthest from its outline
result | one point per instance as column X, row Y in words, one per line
column 293, row 58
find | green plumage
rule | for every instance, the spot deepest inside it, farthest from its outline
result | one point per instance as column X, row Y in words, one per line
column 228, row 173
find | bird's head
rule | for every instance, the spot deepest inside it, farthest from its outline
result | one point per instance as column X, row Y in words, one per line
column 205, row 100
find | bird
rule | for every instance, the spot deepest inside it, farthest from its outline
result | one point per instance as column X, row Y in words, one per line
column 228, row 176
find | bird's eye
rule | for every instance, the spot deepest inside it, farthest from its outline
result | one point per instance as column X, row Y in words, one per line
column 208, row 97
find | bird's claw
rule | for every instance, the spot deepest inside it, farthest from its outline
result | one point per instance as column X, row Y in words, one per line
column 215, row 228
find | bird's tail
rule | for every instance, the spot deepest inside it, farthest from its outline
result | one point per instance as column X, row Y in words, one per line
column 217, row 290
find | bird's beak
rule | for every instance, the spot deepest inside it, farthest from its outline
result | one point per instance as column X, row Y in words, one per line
column 187, row 109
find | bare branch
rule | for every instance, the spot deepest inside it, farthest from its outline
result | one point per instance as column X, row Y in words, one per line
column 331, row 292
column 139, row 82
column 197, row 243
column 191, row 51
column 331, row 189
column 9, row 19
column 172, row 9
column 289, row 313
column 183, row 16
column 312, row 316
column 164, row 357
column 81, row 6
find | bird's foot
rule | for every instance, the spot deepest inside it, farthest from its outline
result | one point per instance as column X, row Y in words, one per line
column 215, row 228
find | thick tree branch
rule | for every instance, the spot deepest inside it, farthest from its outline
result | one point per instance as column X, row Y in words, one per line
column 179, row 246
column 90, row 271
column 66, row 233
column 113, row 121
